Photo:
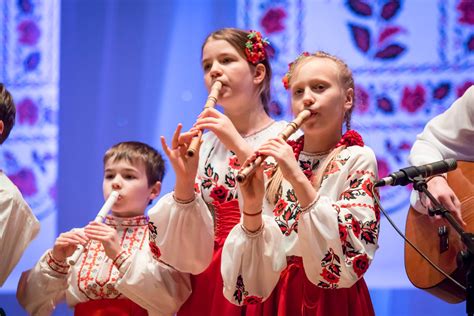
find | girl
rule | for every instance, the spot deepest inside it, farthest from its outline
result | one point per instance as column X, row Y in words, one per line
column 194, row 221
column 308, row 253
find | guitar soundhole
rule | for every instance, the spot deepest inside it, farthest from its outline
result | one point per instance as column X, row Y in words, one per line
column 443, row 238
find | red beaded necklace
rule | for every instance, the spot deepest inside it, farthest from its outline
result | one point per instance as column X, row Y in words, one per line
column 350, row 138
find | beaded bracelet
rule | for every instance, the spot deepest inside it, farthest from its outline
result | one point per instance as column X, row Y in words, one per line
column 310, row 205
column 253, row 214
column 179, row 201
column 251, row 233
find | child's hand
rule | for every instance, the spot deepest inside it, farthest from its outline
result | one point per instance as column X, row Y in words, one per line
column 253, row 189
column 222, row 126
column 67, row 243
column 284, row 156
column 184, row 167
column 107, row 236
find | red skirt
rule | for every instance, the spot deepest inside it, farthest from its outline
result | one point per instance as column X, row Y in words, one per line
column 207, row 298
column 117, row 307
column 295, row 295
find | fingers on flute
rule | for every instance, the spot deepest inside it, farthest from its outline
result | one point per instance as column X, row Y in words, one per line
column 250, row 160
column 72, row 238
column 209, row 112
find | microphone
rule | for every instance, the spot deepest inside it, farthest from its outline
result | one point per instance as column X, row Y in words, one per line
column 405, row 176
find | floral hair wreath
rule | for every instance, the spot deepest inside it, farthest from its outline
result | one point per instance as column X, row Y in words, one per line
column 291, row 66
column 255, row 47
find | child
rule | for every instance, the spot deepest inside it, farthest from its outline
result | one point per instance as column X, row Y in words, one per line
column 18, row 224
column 119, row 273
column 192, row 227
column 308, row 253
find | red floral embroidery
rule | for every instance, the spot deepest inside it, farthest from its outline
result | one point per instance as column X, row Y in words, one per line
column 343, row 232
column 154, row 250
column 329, row 276
column 219, row 193
column 280, row 207
column 196, row 188
column 356, row 227
column 360, row 264
column 367, row 187
column 234, row 163
column 152, row 228
column 252, row 300
column 333, row 167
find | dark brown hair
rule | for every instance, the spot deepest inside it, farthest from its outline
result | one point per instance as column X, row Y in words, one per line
column 7, row 112
column 134, row 152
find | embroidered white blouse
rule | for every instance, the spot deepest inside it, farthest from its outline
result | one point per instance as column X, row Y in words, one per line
column 136, row 274
column 186, row 231
column 336, row 237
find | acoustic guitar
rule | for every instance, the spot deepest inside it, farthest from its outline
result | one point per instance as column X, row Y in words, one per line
column 437, row 239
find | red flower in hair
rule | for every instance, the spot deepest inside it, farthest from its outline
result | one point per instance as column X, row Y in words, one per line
column 255, row 47
column 287, row 76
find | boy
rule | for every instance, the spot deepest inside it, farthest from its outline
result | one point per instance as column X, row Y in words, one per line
column 120, row 272
column 18, row 224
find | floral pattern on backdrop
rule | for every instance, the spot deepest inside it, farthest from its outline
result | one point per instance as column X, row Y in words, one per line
column 407, row 68
column 29, row 68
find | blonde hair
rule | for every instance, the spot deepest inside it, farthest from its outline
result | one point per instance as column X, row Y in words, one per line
column 274, row 190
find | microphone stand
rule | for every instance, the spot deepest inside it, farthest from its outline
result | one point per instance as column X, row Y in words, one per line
column 419, row 184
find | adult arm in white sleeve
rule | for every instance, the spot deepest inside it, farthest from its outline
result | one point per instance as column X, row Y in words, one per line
column 18, row 227
column 448, row 135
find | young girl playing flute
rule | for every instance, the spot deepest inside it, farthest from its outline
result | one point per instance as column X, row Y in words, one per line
column 194, row 221
column 304, row 248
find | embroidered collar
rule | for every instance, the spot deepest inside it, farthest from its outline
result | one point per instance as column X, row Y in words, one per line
column 350, row 138
column 140, row 220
